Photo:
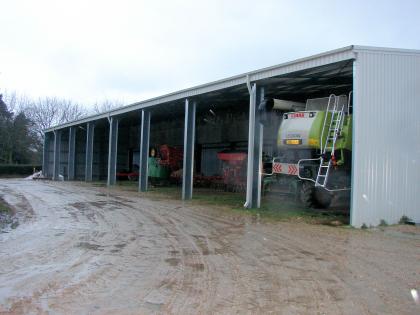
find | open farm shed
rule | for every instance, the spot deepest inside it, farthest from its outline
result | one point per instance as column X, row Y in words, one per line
column 221, row 134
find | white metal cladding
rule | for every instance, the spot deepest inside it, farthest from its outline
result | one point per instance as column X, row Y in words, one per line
column 386, row 131
column 329, row 57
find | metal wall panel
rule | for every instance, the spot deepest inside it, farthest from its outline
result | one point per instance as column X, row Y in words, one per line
column 386, row 143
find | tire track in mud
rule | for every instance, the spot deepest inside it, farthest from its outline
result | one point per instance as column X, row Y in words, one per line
column 133, row 237
column 128, row 254
column 189, row 243
column 97, row 274
column 168, row 226
column 191, row 264
column 256, row 260
column 218, row 268
column 196, row 269
column 235, row 269
column 299, row 252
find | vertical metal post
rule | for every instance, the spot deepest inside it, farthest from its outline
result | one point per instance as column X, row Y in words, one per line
column 255, row 147
column 57, row 153
column 72, row 152
column 189, row 140
column 90, row 130
column 112, row 151
column 45, row 156
column 144, row 149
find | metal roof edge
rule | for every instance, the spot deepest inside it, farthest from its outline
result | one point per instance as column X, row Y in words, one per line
column 254, row 75
column 359, row 48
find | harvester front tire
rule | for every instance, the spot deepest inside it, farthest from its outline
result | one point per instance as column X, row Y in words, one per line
column 306, row 194
column 322, row 198
column 314, row 197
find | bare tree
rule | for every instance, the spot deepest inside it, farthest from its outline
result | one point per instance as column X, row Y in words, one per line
column 16, row 102
column 50, row 111
column 71, row 111
column 46, row 112
column 106, row 105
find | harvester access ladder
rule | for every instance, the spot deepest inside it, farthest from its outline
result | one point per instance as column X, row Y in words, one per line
column 336, row 110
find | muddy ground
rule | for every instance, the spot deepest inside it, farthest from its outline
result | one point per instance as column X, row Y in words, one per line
column 81, row 249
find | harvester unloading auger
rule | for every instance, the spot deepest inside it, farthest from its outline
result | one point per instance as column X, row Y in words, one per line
column 314, row 143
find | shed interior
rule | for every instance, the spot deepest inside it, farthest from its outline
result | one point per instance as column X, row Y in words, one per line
column 221, row 126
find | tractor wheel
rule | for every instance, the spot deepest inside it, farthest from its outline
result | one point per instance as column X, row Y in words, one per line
column 306, row 194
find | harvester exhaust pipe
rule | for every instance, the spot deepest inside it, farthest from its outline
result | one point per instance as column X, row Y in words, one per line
column 269, row 104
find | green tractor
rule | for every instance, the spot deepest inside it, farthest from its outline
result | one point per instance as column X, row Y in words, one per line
column 314, row 146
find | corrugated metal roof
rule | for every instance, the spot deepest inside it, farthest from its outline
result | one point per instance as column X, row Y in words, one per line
column 325, row 58
column 332, row 56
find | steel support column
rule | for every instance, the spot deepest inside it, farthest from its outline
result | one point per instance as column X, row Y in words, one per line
column 112, row 151
column 144, row 149
column 90, row 130
column 57, row 149
column 72, row 156
column 189, row 140
column 255, row 147
column 45, row 156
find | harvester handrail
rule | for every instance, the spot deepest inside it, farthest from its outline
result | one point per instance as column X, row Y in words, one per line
column 341, row 115
column 332, row 96
column 338, row 189
column 298, row 167
column 349, row 102
column 310, row 179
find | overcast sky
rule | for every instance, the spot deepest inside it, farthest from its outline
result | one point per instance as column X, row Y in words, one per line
column 133, row 50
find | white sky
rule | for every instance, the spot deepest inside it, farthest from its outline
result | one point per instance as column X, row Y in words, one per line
column 133, row 50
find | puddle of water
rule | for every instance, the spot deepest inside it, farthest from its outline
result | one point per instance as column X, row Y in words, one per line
column 173, row 261
column 90, row 246
column 196, row 266
column 153, row 306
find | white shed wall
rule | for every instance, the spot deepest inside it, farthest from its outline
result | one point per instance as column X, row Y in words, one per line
column 386, row 137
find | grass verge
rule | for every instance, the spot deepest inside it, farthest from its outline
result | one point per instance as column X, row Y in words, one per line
column 281, row 208
column 7, row 218
column 4, row 207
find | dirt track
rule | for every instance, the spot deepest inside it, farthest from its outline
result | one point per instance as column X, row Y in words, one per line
column 87, row 250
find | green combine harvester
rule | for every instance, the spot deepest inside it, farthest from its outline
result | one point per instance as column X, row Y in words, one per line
column 314, row 146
